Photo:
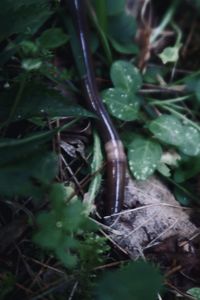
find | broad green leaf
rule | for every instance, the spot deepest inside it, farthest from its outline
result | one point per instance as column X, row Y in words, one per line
column 115, row 7
column 22, row 16
column 143, row 157
column 168, row 129
column 191, row 141
column 52, row 38
column 125, row 76
column 129, row 282
column 170, row 54
column 128, row 136
column 122, row 27
column 195, row 292
column 101, row 13
column 121, row 105
column 38, row 101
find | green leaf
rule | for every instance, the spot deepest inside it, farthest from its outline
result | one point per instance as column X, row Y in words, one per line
column 49, row 236
column 29, row 47
column 188, row 169
column 58, row 196
column 143, row 157
column 128, row 48
column 191, row 141
column 52, row 38
column 115, row 7
column 38, row 101
column 75, row 209
column 121, row 105
column 164, row 170
column 195, row 292
column 69, row 260
column 22, row 16
column 170, row 54
column 96, row 165
column 125, row 76
column 122, row 27
column 30, row 64
column 131, row 281
column 168, row 129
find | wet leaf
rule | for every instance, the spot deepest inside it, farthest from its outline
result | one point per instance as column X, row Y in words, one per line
column 125, row 76
column 168, row 129
column 121, row 105
column 191, row 141
column 143, row 157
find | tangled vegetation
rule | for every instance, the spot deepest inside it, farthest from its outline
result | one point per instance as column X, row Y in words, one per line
column 52, row 181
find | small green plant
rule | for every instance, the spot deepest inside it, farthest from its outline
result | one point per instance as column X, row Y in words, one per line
column 122, row 101
column 61, row 227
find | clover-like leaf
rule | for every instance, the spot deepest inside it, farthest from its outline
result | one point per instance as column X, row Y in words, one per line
column 125, row 76
column 168, row 129
column 121, row 105
column 191, row 141
column 143, row 157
